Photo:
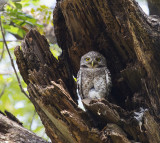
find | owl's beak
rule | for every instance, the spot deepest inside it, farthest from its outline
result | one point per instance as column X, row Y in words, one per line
column 92, row 63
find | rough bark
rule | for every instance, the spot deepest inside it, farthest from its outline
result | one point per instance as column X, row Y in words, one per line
column 154, row 7
column 12, row 132
column 130, row 42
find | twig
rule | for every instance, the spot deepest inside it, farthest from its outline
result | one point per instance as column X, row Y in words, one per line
column 2, row 53
column 5, row 43
column 11, row 41
column 32, row 119
column 4, row 87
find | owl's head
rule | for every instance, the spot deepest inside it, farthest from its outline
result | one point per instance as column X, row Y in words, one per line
column 92, row 59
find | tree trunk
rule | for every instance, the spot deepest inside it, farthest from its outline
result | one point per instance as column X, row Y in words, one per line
column 154, row 7
column 11, row 132
column 130, row 42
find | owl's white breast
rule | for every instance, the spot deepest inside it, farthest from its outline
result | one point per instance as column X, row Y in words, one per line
column 94, row 83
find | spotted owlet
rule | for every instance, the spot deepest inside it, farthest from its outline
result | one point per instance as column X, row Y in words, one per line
column 93, row 79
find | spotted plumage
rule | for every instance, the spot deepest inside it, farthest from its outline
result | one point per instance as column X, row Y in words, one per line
column 93, row 78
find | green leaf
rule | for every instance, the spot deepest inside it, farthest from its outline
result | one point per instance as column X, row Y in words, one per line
column 43, row 6
column 39, row 25
column 55, row 53
column 26, row 5
column 75, row 79
column 32, row 10
column 32, row 21
column 21, row 33
column 39, row 9
column 6, row 26
column 13, row 30
column 18, row 5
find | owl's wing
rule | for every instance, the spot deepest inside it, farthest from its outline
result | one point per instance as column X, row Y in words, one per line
column 108, row 80
column 79, row 84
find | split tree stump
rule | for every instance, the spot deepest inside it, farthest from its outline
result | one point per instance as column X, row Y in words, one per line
column 129, row 40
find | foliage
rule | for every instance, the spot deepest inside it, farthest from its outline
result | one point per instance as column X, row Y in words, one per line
column 17, row 19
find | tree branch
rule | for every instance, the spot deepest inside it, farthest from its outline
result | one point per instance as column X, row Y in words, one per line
column 2, row 53
column 11, row 41
column 2, row 92
column 32, row 120
column 11, row 131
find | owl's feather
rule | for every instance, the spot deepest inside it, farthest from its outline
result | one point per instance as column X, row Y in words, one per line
column 93, row 78
column 79, row 87
column 108, row 79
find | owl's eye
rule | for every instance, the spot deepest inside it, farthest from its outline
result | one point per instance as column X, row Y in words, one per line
column 87, row 59
column 98, row 59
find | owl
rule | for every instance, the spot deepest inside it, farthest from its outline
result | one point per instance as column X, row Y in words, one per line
column 93, row 78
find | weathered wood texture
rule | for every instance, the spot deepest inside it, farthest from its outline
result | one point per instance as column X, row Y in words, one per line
column 124, row 35
column 49, row 94
column 130, row 42
column 12, row 132
column 154, row 7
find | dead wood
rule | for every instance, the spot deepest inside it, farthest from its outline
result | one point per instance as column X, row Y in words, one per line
column 12, row 132
column 129, row 40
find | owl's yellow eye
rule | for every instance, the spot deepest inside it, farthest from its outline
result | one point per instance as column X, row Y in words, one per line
column 98, row 59
column 87, row 59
